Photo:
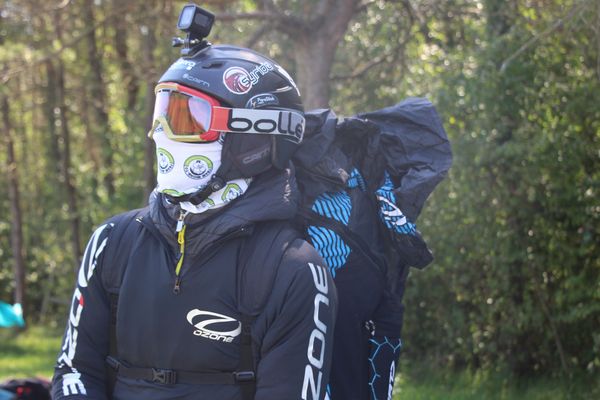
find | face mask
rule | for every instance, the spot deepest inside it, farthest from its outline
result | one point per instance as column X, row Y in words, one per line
column 187, row 167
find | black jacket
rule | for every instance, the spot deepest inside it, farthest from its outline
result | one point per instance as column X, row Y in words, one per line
column 159, row 328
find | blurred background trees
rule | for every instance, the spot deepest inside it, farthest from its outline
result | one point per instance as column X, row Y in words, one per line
column 515, row 229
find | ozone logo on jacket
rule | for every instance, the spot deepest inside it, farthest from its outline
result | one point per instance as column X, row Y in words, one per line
column 312, row 372
column 214, row 326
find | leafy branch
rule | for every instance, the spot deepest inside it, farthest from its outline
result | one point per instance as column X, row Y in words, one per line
column 559, row 23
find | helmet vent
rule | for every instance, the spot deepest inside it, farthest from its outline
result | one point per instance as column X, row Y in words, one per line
column 213, row 64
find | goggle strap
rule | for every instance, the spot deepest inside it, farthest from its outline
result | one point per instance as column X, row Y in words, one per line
column 262, row 122
column 242, row 120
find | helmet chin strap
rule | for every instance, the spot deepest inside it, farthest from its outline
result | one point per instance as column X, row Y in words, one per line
column 215, row 184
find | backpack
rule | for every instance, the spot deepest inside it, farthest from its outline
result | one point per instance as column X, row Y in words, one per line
column 259, row 274
column 25, row 389
column 366, row 177
column 396, row 156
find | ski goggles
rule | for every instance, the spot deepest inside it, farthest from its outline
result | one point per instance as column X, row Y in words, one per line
column 188, row 115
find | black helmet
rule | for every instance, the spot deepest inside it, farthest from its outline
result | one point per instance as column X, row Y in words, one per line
column 242, row 78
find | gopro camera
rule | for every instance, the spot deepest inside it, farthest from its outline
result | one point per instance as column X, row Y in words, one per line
column 195, row 19
column 197, row 23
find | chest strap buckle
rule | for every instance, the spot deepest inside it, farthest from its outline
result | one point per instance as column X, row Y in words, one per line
column 164, row 376
column 244, row 376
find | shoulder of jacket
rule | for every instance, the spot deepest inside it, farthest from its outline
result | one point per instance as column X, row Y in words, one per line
column 126, row 216
column 299, row 263
column 120, row 230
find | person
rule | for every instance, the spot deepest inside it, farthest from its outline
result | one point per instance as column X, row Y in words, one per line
column 208, row 292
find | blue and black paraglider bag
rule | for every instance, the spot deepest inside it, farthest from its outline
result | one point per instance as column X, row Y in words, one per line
column 364, row 181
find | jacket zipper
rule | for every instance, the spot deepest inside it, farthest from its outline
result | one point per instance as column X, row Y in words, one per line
column 180, row 230
column 216, row 247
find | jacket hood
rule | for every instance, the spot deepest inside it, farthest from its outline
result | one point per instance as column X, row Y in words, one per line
column 271, row 196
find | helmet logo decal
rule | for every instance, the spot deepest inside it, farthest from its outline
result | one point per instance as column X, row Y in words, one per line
column 197, row 80
column 197, row 167
column 262, row 100
column 165, row 161
column 184, row 64
column 239, row 81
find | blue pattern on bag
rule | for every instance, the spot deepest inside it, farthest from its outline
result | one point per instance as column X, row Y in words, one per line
column 356, row 181
column 329, row 244
column 395, row 345
column 390, row 214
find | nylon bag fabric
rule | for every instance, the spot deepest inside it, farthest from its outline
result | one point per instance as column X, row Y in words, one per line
column 364, row 181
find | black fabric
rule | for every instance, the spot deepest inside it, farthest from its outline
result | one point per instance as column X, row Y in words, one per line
column 321, row 166
column 407, row 139
column 111, row 372
column 246, row 366
column 256, row 271
column 406, row 144
column 310, row 218
column 258, row 204
column 416, row 150
column 171, row 377
column 27, row 389
column 245, row 156
column 125, row 228
column 384, row 353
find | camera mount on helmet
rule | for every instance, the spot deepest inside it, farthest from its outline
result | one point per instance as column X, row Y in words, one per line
column 197, row 23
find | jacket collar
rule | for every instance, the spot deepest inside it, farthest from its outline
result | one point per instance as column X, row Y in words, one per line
column 272, row 195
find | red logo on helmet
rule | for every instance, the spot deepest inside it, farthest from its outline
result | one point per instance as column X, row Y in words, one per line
column 237, row 80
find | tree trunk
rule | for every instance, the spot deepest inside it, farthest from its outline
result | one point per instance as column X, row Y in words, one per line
column 92, row 146
column 149, row 43
column 129, row 81
column 49, row 107
column 99, row 121
column 65, row 160
column 315, row 44
column 16, row 232
column 314, row 57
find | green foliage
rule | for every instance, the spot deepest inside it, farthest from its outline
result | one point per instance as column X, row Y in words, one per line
column 516, row 226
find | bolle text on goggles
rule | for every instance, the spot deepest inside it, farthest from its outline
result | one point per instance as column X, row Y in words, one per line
column 188, row 115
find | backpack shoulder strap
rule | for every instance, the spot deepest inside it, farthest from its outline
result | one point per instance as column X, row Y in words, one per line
column 258, row 262
column 259, row 258
column 124, row 231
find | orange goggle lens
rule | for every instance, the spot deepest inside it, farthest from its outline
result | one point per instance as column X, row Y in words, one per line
column 188, row 112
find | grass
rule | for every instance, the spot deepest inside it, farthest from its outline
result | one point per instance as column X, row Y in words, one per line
column 33, row 352
column 28, row 354
column 420, row 382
